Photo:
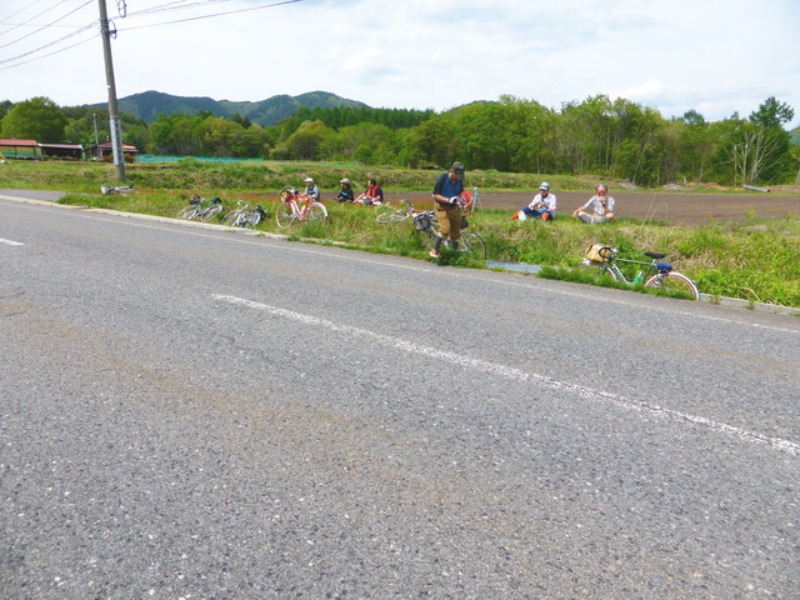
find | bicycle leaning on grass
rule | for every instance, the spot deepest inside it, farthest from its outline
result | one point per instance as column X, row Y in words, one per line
column 295, row 206
column 391, row 214
column 244, row 216
column 654, row 274
column 427, row 223
column 201, row 209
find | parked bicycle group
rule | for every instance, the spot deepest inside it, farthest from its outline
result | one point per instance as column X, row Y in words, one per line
column 444, row 225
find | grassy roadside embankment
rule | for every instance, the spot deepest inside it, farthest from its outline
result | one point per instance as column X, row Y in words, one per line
column 753, row 260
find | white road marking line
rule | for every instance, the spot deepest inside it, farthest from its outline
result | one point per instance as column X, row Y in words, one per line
column 10, row 242
column 519, row 375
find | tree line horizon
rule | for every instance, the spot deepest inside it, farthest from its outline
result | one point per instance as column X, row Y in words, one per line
column 612, row 138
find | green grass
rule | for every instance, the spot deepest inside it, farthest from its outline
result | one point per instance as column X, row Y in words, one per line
column 754, row 260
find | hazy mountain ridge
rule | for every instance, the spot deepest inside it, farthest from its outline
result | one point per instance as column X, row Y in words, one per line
column 148, row 105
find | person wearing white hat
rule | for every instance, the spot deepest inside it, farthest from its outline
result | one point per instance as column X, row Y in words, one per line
column 543, row 206
column 311, row 189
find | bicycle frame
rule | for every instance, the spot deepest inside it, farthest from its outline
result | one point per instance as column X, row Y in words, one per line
column 620, row 276
column 300, row 205
column 655, row 274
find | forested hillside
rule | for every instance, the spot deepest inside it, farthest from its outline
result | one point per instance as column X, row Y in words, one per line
column 598, row 136
column 148, row 106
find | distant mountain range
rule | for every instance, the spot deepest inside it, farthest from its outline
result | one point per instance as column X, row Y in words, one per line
column 148, row 105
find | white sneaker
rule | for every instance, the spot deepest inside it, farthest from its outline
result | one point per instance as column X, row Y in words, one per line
column 434, row 253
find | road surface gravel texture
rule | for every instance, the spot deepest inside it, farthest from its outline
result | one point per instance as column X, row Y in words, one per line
column 192, row 412
column 685, row 208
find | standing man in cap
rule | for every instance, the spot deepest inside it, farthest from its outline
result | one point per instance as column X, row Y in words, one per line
column 449, row 187
column 311, row 189
column 543, row 206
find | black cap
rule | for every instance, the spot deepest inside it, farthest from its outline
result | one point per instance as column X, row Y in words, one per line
column 458, row 169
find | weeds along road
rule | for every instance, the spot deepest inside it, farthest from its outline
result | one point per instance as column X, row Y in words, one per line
column 188, row 412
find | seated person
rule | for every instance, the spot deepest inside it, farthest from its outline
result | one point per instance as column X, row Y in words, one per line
column 346, row 193
column 599, row 208
column 311, row 189
column 543, row 206
column 372, row 196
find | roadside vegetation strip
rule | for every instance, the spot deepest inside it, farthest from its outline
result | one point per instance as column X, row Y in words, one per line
column 514, row 374
column 757, row 261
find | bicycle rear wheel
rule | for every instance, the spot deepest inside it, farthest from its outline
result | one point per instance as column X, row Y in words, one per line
column 284, row 216
column 392, row 217
column 674, row 282
column 211, row 212
column 473, row 243
column 317, row 213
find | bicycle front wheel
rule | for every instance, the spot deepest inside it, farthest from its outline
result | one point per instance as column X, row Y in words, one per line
column 473, row 243
column 317, row 213
column 601, row 270
column 674, row 282
column 284, row 216
column 187, row 213
column 231, row 219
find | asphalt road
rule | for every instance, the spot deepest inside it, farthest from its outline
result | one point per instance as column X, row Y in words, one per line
column 188, row 412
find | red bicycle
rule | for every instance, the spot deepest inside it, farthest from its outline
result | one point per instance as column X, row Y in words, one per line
column 295, row 207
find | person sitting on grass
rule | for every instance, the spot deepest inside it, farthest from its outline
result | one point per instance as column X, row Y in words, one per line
column 346, row 193
column 543, row 206
column 599, row 208
column 372, row 196
column 312, row 189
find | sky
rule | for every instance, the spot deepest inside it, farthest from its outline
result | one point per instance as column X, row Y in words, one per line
column 717, row 57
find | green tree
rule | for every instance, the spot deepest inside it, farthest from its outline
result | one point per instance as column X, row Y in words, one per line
column 772, row 113
column 304, row 143
column 38, row 118
column 697, row 145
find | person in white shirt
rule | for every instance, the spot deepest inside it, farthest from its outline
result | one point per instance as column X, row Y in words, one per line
column 543, row 206
column 311, row 189
column 599, row 208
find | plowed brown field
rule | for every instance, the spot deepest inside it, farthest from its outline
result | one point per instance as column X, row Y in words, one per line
column 683, row 208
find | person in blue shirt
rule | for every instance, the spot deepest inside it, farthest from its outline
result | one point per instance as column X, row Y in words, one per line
column 446, row 192
column 346, row 193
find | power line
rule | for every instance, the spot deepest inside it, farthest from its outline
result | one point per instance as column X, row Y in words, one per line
column 53, row 43
column 211, row 16
column 91, row 39
column 13, row 27
column 48, row 25
column 169, row 6
column 6, row 20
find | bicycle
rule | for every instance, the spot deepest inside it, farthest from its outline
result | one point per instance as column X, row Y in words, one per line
column 469, row 242
column 475, row 202
column 655, row 274
column 295, row 206
column 106, row 189
column 405, row 211
column 201, row 209
column 244, row 216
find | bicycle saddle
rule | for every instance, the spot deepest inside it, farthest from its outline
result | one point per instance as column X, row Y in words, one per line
column 654, row 255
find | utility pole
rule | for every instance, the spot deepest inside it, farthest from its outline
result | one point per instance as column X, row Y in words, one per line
column 113, row 109
column 96, row 138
